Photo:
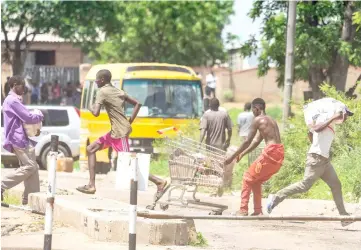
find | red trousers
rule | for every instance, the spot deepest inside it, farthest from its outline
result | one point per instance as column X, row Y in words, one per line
column 266, row 165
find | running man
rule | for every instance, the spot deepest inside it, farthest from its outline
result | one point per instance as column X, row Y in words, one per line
column 267, row 164
column 16, row 140
column 113, row 100
column 318, row 165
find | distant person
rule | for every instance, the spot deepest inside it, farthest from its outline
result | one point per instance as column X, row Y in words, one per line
column 113, row 100
column 244, row 121
column 318, row 165
column 216, row 128
column 44, row 93
column 69, row 92
column 56, row 90
column 207, row 98
column 35, row 94
column 50, row 93
column 28, row 90
column 211, row 81
column 267, row 164
column 214, row 125
column 77, row 95
column 17, row 142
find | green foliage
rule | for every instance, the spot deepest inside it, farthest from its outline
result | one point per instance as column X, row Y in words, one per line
column 346, row 151
column 200, row 242
column 228, row 95
column 357, row 19
column 318, row 38
column 182, row 32
column 75, row 21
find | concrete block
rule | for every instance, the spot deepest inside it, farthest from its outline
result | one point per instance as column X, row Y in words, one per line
column 107, row 220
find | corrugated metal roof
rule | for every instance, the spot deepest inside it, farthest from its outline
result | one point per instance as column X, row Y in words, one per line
column 47, row 38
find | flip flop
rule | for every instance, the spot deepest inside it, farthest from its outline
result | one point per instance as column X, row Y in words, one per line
column 86, row 190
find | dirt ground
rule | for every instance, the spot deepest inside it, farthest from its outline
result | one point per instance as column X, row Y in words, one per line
column 222, row 235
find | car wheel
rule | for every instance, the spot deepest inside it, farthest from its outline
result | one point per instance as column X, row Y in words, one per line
column 46, row 151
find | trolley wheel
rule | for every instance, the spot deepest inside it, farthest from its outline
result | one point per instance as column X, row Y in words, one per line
column 215, row 212
column 164, row 206
column 150, row 207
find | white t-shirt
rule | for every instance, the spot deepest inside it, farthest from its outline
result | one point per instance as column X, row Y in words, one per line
column 211, row 81
column 244, row 122
column 322, row 142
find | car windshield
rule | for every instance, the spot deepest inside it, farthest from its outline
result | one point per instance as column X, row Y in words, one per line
column 165, row 98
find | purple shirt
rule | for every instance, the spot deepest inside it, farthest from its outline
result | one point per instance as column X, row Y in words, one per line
column 15, row 114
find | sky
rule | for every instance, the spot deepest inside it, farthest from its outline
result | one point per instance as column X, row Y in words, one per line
column 242, row 25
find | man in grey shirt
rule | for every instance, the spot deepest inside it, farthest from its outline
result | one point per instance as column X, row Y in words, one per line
column 244, row 121
column 214, row 125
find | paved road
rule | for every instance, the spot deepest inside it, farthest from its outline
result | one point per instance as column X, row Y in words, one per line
column 221, row 234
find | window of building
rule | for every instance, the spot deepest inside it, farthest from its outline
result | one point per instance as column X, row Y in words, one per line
column 44, row 57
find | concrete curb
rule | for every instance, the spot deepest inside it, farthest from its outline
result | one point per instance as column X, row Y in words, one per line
column 107, row 220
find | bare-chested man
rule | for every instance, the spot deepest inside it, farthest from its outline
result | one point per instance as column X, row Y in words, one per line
column 267, row 164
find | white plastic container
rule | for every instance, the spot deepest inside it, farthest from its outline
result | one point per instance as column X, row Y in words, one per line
column 122, row 181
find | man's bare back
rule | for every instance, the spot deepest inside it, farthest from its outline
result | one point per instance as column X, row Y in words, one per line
column 268, row 129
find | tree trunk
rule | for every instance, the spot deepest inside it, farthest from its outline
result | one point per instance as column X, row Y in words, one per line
column 315, row 79
column 337, row 73
column 17, row 60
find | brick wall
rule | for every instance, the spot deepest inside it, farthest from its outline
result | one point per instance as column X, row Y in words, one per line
column 249, row 86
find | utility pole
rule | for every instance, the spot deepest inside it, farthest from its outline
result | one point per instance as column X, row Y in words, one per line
column 289, row 67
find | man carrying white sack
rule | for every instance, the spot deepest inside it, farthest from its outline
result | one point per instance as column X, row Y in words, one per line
column 318, row 165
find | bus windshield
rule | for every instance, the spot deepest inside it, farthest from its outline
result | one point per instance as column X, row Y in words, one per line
column 165, row 98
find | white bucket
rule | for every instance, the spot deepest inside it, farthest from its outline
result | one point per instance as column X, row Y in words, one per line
column 122, row 179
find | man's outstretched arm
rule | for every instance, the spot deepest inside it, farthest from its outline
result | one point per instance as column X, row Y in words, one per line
column 246, row 143
column 136, row 109
column 257, row 140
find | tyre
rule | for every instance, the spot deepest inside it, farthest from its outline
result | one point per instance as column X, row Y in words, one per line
column 46, row 151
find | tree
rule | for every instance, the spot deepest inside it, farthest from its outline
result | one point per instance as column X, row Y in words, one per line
column 357, row 19
column 326, row 41
column 183, row 32
column 79, row 22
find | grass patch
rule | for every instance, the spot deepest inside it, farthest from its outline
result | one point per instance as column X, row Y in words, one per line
column 11, row 199
column 200, row 242
column 76, row 166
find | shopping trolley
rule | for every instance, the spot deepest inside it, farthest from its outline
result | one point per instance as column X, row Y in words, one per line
column 191, row 165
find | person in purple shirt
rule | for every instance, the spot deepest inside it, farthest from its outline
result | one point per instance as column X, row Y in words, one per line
column 16, row 141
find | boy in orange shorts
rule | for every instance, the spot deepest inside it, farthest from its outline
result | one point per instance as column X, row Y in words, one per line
column 267, row 164
column 113, row 99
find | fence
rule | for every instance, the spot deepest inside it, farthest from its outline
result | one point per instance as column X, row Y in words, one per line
column 40, row 74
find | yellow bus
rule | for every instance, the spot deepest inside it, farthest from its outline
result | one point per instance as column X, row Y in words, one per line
column 171, row 95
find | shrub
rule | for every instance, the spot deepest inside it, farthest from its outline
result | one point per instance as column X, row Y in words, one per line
column 228, row 95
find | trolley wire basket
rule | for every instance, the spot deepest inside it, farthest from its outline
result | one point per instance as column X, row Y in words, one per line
column 191, row 164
